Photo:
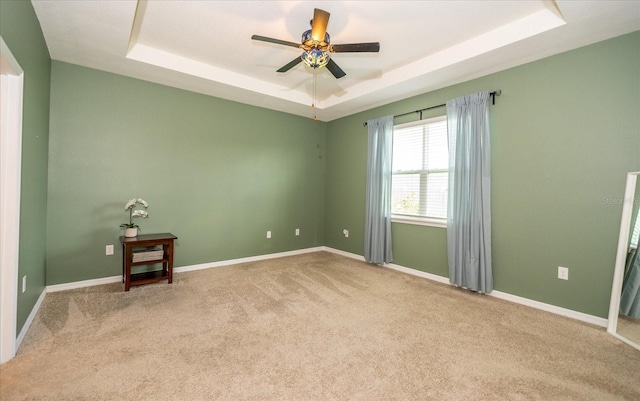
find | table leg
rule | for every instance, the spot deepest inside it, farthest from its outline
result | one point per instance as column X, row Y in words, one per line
column 124, row 259
column 170, row 261
column 127, row 269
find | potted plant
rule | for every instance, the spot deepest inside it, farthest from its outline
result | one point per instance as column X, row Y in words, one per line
column 131, row 229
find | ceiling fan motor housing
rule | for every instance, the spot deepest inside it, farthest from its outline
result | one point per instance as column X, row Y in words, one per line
column 309, row 42
column 315, row 54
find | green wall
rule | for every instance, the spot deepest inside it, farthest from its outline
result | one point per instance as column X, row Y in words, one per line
column 564, row 133
column 220, row 174
column 21, row 32
column 217, row 174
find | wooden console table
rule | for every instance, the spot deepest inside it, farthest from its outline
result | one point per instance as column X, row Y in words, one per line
column 144, row 242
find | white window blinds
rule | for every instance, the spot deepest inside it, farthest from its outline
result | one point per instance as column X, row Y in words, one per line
column 420, row 169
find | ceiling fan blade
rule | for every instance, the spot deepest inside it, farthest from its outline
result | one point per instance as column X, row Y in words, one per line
column 276, row 41
column 319, row 24
column 372, row 47
column 335, row 70
column 290, row 65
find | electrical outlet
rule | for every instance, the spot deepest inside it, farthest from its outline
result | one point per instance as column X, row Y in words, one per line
column 563, row 273
column 268, row 234
column 297, row 232
column 24, row 283
column 346, row 233
column 109, row 250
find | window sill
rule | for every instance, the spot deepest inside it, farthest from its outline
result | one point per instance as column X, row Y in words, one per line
column 420, row 221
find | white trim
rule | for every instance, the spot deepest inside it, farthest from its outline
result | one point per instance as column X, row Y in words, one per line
column 245, row 260
column 621, row 254
column 419, row 273
column 32, row 315
column 182, row 269
column 583, row 317
column 12, row 82
column 344, row 253
column 419, row 221
column 84, row 283
column 598, row 321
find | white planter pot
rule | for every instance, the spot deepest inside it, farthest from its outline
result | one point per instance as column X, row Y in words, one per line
column 131, row 232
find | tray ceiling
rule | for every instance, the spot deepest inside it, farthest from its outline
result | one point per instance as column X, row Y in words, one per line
column 206, row 46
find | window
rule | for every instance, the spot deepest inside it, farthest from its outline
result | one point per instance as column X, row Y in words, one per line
column 420, row 179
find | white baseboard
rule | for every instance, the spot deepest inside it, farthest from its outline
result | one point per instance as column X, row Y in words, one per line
column 32, row 315
column 182, row 269
column 249, row 259
column 118, row 279
column 419, row 273
column 85, row 283
column 344, row 253
column 598, row 321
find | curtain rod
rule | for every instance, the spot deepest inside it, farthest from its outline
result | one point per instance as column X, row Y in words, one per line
column 493, row 95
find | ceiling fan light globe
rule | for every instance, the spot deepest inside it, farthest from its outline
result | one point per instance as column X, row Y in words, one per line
column 315, row 58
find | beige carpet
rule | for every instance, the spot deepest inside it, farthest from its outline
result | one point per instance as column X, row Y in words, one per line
column 312, row 327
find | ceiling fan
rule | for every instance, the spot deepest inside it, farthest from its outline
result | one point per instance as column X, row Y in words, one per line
column 316, row 46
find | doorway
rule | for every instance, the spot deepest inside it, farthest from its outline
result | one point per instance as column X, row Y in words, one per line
column 11, row 88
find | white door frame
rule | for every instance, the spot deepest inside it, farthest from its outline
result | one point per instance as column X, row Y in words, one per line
column 11, row 87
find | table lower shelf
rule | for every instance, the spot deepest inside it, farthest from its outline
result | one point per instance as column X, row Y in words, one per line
column 148, row 277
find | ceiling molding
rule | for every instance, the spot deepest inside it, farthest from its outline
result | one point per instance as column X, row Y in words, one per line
column 206, row 47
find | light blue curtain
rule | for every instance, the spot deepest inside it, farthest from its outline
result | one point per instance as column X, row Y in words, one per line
column 469, row 205
column 377, row 235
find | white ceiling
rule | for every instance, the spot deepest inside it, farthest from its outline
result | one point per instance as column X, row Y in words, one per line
column 206, row 46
